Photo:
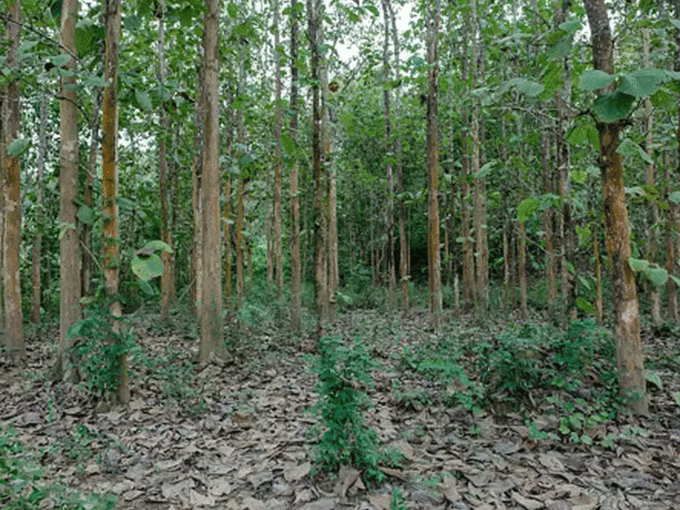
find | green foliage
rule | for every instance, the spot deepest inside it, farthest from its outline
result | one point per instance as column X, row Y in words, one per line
column 22, row 486
column 341, row 436
column 398, row 502
column 100, row 340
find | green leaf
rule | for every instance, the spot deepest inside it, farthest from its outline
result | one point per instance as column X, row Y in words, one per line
column 85, row 215
column 232, row 10
column 638, row 264
column 593, row 79
column 657, row 275
column 562, row 48
column 585, row 306
column 579, row 176
column 642, row 83
column 526, row 208
column 613, row 107
column 654, row 378
column 674, row 197
column 676, row 394
column 147, row 268
column 675, row 279
column 577, row 135
column 484, row 171
column 18, row 147
column 675, row 22
column 288, row 143
column 630, row 148
column 155, row 245
column 143, row 99
column 146, row 288
column 594, row 137
column 572, row 26
column 60, row 60
column 528, row 87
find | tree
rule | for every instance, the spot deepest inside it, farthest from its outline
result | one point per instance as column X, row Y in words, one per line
column 278, row 224
column 69, row 254
column 36, row 251
column 110, row 231
column 295, row 269
column 14, row 323
column 434, row 258
column 629, row 355
column 210, row 314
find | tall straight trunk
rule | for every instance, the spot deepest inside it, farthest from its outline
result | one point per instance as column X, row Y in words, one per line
column 434, row 258
column 629, row 356
column 168, row 276
column 522, row 269
column 468, row 262
column 278, row 213
column 650, row 181
column 403, row 244
column 3, row 162
column 669, row 244
column 229, row 143
column 599, row 305
column 673, row 214
column 548, row 215
column 36, row 251
column 314, row 8
column 14, row 332
column 240, row 189
column 389, row 209
column 566, row 229
column 110, row 230
column 196, row 272
column 210, row 314
column 88, row 200
column 295, row 263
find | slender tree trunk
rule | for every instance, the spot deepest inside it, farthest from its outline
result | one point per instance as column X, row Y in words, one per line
column 168, row 276
column 240, row 190
column 210, row 314
column 389, row 209
column 295, row 263
column 599, row 305
column 14, row 332
column 196, row 201
column 669, row 244
column 110, row 230
column 314, row 8
column 629, row 356
column 522, row 270
column 468, row 262
column 36, row 252
column 3, row 168
column 278, row 213
column 88, row 201
column 434, row 258
column 548, row 214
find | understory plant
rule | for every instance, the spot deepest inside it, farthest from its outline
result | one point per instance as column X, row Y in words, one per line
column 341, row 435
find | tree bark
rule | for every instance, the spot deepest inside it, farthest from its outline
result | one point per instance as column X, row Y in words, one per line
column 14, row 332
column 434, row 258
column 629, row 356
column 110, row 231
column 278, row 213
column 548, row 215
column 210, row 315
column 522, row 270
column 36, row 251
column 88, row 201
column 295, row 263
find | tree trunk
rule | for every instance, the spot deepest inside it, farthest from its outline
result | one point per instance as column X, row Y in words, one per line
column 240, row 190
column 548, row 215
column 14, row 332
column 210, row 315
column 278, row 213
column 88, row 201
column 168, row 276
column 599, row 306
column 314, row 8
column 36, row 251
column 669, row 244
column 522, row 270
column 434, row 258
column 196, row 201
column 295, row 263
column 629, row 354
column 110, row 230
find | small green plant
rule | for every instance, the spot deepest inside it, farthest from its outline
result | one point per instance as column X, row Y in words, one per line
column 341, row 435
column 100, row 339
column 398, row 502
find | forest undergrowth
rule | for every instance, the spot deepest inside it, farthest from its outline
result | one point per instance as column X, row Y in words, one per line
column 388, row 415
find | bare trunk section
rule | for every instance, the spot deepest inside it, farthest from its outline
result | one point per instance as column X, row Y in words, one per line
column 389, row 156
column 434, row 258
column 669, row 245
column 110, row 231
column 522, row 270
column 599, row 305
column 88, row 201
column 210, row 314
column 548, row 216
column 168, row 276
column 295, row 263
column 14, row 326
column 278, row 213
column 629, row 356
column 196, row 272
column 36, row 251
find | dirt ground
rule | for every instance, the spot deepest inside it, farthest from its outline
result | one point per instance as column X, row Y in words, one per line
column 232, row 435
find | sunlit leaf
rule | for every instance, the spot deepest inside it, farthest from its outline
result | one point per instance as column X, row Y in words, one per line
column 642, row 83
column 585, row 306
column 657, row 275
column 638, row 264
column 18, row 147
column 526, row 208
column 143, row 99
column 654, row 378
column 232, row 10
column 613, row 107
column 593, row 79
column 147, row 268
column 85, row 215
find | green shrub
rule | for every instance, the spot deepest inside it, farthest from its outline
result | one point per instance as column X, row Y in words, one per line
column 341, row 435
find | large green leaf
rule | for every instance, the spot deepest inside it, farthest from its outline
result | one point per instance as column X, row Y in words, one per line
column 642, row 83
column 585, row 306
column 674, row 197
column 288, row 143
column 147, row 268
column 18, row 147
column 528, row 87
column 85, row 215
column 657, row 275
column 143, row 99
column 638, row 264
column 630, row 148
column 593, row 79
column 526, row 208
column 613, row 107
column 562, row 48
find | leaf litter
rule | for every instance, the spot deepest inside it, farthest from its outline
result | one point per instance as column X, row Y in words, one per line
column 232, row 435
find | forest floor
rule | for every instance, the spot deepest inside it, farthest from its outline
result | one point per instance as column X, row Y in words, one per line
column 476, row 429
